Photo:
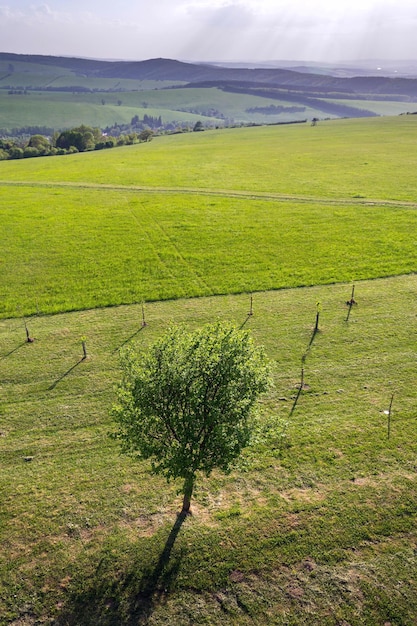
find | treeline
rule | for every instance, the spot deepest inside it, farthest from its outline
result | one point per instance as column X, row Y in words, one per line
column 275, row 109
column 154, row 123
column 80, row 139
column 24, row 132
column 23, row 90
column 147, row 121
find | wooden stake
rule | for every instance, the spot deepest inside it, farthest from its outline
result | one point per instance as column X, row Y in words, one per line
column 316, row 327
column 143, row 315
column 29, row 339
column 389, row 417
column 251, row 306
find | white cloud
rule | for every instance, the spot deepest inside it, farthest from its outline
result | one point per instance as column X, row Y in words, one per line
column 43, row 9
column 211, row 29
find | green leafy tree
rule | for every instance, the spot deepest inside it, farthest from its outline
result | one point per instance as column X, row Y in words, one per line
column 30, row 152
column 15, row 152
column 40, row 143
column 146, row 135
column 187, row 403
column 82, row 138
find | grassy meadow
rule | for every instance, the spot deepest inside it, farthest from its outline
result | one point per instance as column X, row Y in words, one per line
column 200, row 214
column 368, row 159
column 66, row 109
column 317, row 523
column 50, row 93
column 315, row 526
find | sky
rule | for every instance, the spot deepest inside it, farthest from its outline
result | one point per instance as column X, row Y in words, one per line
column 212, row 30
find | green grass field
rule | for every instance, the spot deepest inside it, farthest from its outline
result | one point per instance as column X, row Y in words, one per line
column 66, row 110
column 209, row 213
column 370, row 159
column 63, row 109
column 315, row 528
column 381, row 107
column 125, row 98
column 317, row 523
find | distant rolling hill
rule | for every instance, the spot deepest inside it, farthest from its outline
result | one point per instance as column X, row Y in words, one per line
column 172, row 70
column 61, row 92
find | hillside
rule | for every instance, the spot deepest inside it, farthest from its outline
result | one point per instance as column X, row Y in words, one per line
column 265, row 227
column 172, row 70
column 157, row 220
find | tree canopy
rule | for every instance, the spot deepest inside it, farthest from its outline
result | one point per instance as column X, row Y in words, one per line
column 186, row 403
column 82, row 138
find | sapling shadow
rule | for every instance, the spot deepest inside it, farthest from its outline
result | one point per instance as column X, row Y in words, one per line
column 300, row 388
column 129, row 339
column 248, row 314
column 314, row 333
column 83, row 358
column 350, row 303
column 142, row 326
column 58, row 380
column 244, row 322
column 316, row 326
column 14, row 350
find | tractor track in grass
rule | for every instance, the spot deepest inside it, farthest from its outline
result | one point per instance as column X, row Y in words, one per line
column 225, row 193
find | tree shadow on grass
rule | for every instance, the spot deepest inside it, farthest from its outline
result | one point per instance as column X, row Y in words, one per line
column 129, row 597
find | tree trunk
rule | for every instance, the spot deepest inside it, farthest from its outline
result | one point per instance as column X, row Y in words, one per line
column 188, row 491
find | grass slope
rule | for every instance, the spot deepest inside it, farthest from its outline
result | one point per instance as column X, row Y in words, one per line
column 68, row 111
column 126, row 99
column 83, row 248
column 365, row 158
column 317, row 527
column 209, row 213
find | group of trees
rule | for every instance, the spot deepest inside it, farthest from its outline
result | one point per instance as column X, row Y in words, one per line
column 142, row 125
column 80, row 139
column 273, row 109
column 148, row 121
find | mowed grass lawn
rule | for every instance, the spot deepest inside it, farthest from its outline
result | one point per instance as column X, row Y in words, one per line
column 316, row 525
column 219, row 212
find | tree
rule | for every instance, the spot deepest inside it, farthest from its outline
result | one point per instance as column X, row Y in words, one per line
column 187, row 403
column 40, row 143
column 83, row 138
column 146, row 135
